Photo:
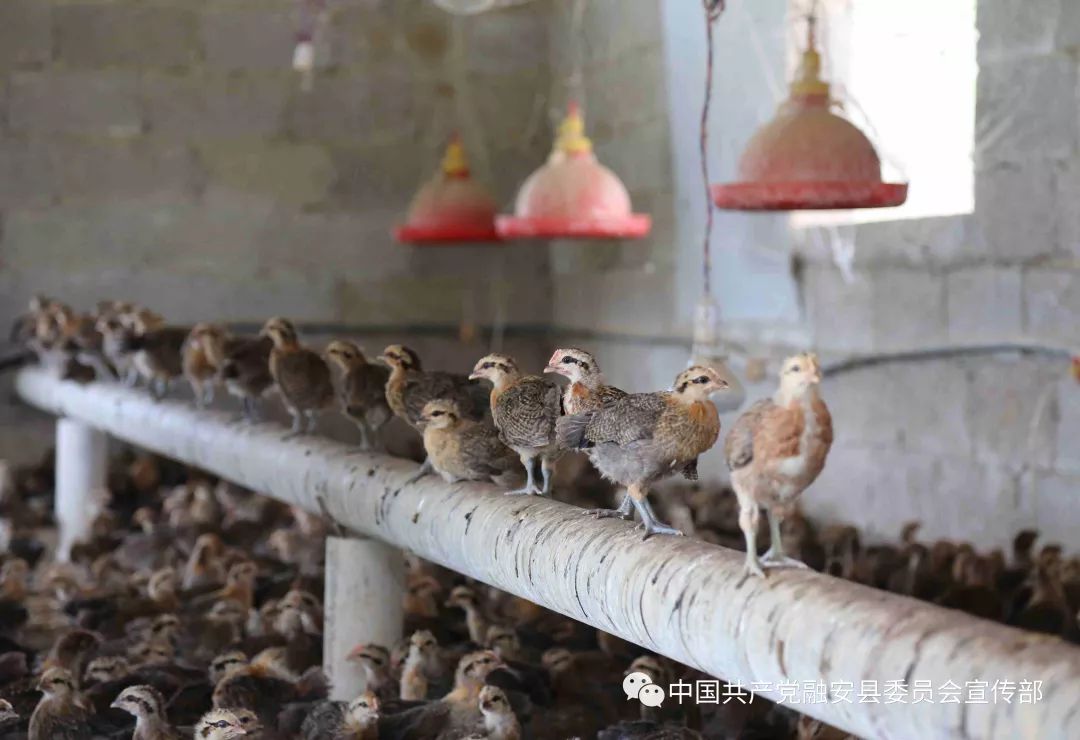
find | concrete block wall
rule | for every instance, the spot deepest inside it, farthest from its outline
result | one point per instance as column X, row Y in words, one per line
column 164, row 151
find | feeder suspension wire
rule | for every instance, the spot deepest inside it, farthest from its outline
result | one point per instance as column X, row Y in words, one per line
column 713, row 10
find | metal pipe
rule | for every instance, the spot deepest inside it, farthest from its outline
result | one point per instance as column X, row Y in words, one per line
column 681, row 598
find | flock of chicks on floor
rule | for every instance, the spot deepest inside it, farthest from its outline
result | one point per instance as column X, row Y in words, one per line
column 183, row 617
column 158, row 629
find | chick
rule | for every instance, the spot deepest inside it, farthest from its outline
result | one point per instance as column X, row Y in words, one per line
column 9, row 718
column 587, row 391
column 457, row 712
column 460, row 448
column 414, row 673
column 500, row 722
column 525, row 409
column 639, row 439
column 775, row 451
column 335, row 720
column 199, row 368
column 243, row 366
column 146, row 704
column 227, row 724
column 374, row 662
column 410, row 387
column 301, row 376
column 59, row 715
column 464, row 598
column 361, row 390
column 157, row 353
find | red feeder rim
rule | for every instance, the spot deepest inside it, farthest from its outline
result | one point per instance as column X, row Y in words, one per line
column 807, row 157
column 451, row 208
column 572, row 195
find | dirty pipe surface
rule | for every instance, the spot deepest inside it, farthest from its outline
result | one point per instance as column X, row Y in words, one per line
column 679, row 597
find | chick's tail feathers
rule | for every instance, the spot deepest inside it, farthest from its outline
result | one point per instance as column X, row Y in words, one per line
column 570, row 431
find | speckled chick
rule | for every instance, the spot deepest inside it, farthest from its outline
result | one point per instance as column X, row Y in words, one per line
column 157, row 351
column 59, row 715
column 775, row 450
column 301, row 375
column 464, row 449
column 200, row 371
column 361, row 390
column 588, row 390
column 146, row 704
column 243, row 365
column 637, row 440
column 227, row 724
column 524, row 409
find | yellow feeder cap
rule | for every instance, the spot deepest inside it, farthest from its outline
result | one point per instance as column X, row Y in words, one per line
column 572, row 138
column 454, row 162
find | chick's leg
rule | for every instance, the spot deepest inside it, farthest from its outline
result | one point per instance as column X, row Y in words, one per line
column 625, row 510
column 297, row 424
column 775, row 557
column 425, row 468
column 749, row 516
column 530, row 483
column 547, row 467
column 640, row 498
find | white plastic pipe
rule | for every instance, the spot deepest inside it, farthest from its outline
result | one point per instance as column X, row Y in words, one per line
column 679, row 597
column 81, row 468
column 365, row 586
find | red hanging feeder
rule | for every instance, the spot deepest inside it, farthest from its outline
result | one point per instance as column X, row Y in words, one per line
column 451, row 207
column 808, row 157
column 572, row 196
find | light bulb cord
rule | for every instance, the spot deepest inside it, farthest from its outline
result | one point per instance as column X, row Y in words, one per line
column 713, row 10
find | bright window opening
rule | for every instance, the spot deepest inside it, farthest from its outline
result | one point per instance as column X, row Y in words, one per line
column 906, row 73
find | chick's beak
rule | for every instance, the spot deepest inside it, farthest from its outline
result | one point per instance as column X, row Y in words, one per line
column 475, row 376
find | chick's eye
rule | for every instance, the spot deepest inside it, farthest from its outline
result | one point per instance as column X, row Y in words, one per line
column 795, row 368
column 701, row 379
column 568, row 360
column 488, row 365
column 436, row 413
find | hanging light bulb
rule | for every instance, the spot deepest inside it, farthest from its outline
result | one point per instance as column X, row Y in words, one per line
column 572, row 195
column 451, row 207
column 709, row 350
column 809, row 157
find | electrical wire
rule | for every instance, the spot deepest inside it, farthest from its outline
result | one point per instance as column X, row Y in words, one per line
column 713, row 10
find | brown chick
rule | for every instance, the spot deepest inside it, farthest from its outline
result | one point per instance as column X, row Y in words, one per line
column 361, row 390
column 639, row 439
column 146, row 704
column 199, row 368
column 374, row 662
column 9, row 718
column 464, row 598
column 460, row 448
column 423, row 651
column 457, row 712
column 335, row 720
column 410, row 387
column 59, row 715
column 157, row 352
column 588, row 390
column 227, row 724
column 302, row 376
column 243, row 366
column 500, row 722
column 775, row 451
column 525, row 409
